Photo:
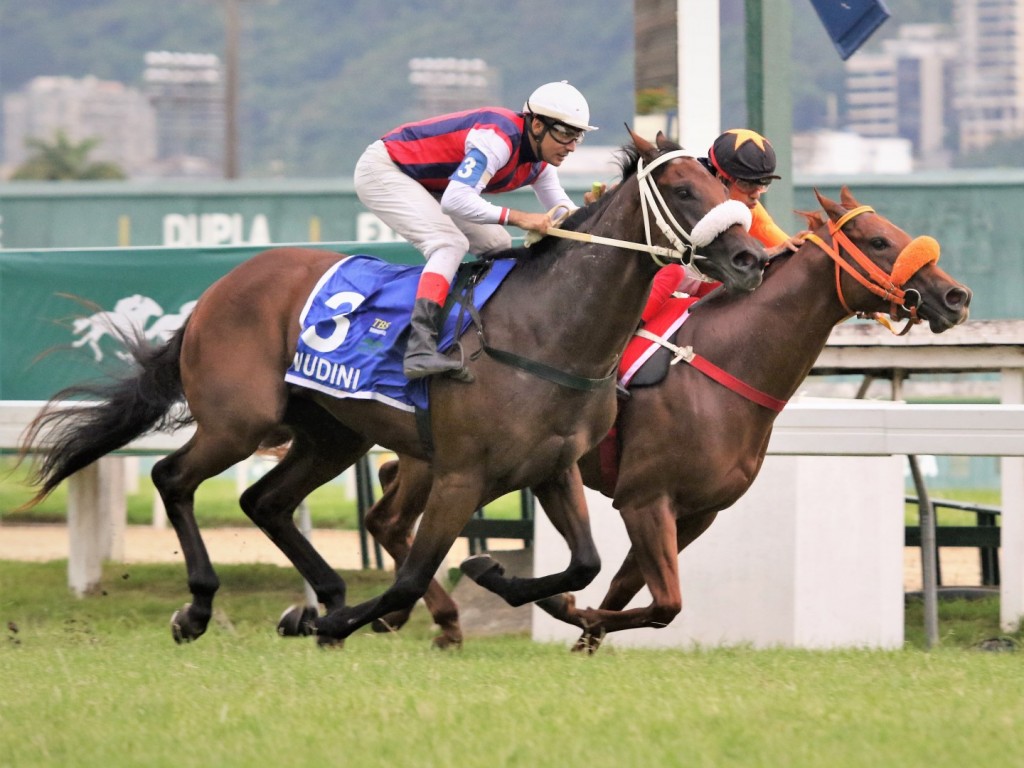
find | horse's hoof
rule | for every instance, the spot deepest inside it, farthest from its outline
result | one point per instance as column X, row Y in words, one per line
column 446, row 642
column 297, row 621
column 589, row 642
column 479, row 566
column 330, row 643
column 183, row 629
column 585, row 645
column 333, row 627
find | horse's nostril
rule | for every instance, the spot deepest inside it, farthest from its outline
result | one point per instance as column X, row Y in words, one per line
column 958, row 297
column 745, row 260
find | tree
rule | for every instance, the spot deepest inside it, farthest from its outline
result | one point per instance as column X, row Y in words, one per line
column 64, row 160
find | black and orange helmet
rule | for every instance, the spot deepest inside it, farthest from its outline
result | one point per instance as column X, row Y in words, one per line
column 743, row 154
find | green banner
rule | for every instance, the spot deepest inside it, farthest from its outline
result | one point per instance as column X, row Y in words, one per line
column 193, row 215
column 59, row 309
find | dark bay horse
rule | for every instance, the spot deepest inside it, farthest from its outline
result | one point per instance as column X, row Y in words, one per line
column 568, row 306
column 691, row 447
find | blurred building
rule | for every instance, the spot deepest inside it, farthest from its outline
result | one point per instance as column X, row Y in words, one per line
column 446, row 85
column 990, row 84
column 945, row 89
column 905, row 90
column 846, row 152
column 187, row 94
column 83, row 108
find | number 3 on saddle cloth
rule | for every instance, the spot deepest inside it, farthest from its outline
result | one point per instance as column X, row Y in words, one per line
column 644, row 363
column 355, row 326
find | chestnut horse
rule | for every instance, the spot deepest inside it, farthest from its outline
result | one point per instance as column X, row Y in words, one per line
column 691, row 447
column 568, row 306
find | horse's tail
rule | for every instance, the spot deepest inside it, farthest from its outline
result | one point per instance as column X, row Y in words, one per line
column 65, row 437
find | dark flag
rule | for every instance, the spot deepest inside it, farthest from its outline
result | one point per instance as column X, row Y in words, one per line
column 850, row 22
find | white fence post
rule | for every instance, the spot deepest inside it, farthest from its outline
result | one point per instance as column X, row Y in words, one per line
column 96, row 521
column 1011, row 574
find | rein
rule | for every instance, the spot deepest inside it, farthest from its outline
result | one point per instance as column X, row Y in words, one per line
column 652, row 203
column 918, row 253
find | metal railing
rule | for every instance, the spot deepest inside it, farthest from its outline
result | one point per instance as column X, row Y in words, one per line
column 984, row 535
column 478, row 530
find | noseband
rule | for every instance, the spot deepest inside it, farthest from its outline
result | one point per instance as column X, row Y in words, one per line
column 917, row 253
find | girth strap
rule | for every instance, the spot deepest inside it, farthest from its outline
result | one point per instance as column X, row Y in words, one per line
column 535, row 367
column 544, row 371
column 709, row 369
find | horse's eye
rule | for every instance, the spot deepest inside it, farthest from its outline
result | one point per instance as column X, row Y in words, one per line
column 879, row 243
column 684, row 193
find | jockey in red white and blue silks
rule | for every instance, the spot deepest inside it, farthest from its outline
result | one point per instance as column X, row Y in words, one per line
column 426, row 181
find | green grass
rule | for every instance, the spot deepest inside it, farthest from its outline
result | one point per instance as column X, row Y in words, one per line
column 99, row 682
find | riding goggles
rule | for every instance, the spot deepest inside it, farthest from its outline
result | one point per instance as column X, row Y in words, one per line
column 564, row 134
column 751, row 186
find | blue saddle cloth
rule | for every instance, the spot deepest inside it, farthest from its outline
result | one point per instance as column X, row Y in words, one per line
column 355, row 326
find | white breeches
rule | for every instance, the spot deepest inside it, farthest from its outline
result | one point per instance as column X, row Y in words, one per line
column 414, row 213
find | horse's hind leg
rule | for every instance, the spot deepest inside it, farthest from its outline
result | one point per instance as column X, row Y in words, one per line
column 406, row 485
column 320, row 450
column 564, row 503
column 176, row 478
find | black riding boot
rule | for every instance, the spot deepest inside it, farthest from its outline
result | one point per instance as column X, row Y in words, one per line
column 421, row 355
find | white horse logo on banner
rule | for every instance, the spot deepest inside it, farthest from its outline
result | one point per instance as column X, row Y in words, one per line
column 129, row 316
column 164, row 327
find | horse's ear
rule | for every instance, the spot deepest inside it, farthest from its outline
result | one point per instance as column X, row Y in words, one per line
column 665, row 144
column 832, row 208
column 646, row 148
column 847, row 198
column 814, row 219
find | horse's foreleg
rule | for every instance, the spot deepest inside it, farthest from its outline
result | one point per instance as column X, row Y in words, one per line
column 564, row 503
column 657, row 538
column 390, row 521
column 449, row 507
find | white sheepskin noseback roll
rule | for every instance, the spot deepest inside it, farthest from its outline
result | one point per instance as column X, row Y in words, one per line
column 719, row 219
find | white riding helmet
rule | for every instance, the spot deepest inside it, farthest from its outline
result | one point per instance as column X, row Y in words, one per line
column 561, row 102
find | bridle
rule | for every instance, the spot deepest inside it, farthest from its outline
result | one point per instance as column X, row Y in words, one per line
column 653, row 205
column 915, row 255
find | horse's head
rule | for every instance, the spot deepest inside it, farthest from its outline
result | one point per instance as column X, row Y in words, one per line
column 880, row 269
column 693, row 212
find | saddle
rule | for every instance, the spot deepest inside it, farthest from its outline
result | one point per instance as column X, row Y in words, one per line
column 644, row 364
column 653, row 371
